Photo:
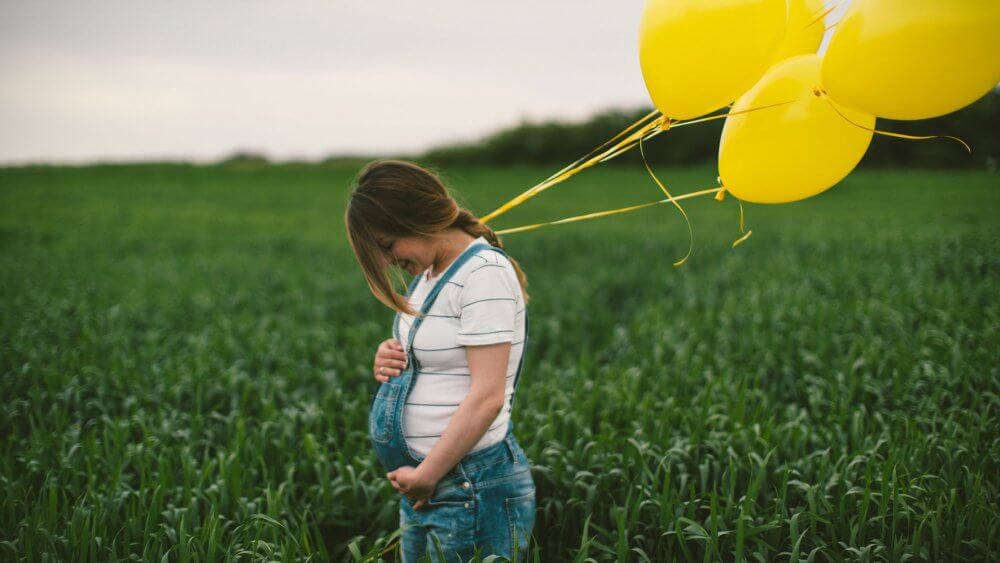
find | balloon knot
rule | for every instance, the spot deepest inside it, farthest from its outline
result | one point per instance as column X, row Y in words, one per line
column 720, row 195
column 818, row 92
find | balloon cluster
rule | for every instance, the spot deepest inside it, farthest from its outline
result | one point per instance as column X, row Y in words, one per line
column 798, row 122
column 899, row 59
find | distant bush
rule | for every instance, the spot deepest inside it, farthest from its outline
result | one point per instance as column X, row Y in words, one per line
column 245, row 159
column 348, row 161
column 560, row 142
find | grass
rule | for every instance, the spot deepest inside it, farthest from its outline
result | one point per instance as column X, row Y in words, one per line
column 185, row 367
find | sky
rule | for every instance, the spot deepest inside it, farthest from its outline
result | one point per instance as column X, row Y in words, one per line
column 87, row 80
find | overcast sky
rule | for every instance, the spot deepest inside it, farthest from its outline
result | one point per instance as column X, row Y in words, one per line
column 141, row 79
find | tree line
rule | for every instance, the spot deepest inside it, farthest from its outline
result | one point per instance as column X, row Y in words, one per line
column 558, row 142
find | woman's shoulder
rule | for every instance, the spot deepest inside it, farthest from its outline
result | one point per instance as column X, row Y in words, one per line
column 484, row 263
column 483, row 292
column 486, row 272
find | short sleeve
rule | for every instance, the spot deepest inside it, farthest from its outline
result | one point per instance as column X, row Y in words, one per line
column 488, row 304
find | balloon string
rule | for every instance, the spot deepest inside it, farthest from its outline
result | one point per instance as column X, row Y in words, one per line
column 670, row 124
column 824, row 13
column 642, row 152
column 641, row 127
column 890, row 133
column 565, row 169
column 746, row 234
column 597, row 214
column 666, row 125
column 644, row 129
column 722, row 195
column 587, row 161
column 722, row 115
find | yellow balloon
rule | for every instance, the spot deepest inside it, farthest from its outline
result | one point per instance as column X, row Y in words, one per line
column 791, row 151
column 914, row 59
column 805, row 29
column 699, row 55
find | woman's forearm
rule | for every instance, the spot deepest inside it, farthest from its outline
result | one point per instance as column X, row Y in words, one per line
column 466, row 427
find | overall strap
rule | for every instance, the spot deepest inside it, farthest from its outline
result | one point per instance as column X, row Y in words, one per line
column 520, row 363
column 462, row 259
column 429, row 300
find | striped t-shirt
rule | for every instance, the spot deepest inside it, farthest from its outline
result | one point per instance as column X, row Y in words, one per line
column 481, row 304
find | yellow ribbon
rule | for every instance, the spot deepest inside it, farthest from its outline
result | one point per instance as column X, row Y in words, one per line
column 890, row 133
column 719, row 192
column 665, row 124
column 647, row 127
column 822, row 15
column 639, row 129
column 608, row 212
column 637, row 133
column 642, row 152
column 722, row 195
column 746, row 234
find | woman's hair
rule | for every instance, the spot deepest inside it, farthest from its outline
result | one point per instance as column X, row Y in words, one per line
column 400, row 199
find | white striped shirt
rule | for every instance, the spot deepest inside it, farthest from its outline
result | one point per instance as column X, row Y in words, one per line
column 481, row 304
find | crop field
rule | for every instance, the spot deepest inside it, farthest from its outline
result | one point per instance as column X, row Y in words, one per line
column 186, row 352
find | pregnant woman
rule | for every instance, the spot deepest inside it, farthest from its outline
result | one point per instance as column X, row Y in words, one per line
column 440, row 420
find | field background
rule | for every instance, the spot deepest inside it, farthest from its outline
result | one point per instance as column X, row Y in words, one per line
column 186, row 367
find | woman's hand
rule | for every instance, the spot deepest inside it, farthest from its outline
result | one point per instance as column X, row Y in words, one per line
column 389, row 360
column 413, row 483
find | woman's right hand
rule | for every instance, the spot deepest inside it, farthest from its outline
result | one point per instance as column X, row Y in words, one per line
column 390, row 359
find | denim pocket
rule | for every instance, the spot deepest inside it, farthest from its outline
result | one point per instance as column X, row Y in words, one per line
column 383, row 414
column 451, row 489
column 520, row 520
column 452, row 521
column 452, row 495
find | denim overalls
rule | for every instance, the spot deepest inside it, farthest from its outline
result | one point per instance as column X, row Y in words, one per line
column 487, row 500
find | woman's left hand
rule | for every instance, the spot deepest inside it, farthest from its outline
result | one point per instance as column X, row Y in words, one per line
column 413, row 483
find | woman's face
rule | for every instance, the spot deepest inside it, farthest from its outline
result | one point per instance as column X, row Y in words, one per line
column 413, row 254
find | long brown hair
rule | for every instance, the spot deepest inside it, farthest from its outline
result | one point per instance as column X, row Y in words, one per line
column 401, row 199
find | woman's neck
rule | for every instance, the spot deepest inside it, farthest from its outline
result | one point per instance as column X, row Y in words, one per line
column 451, row 245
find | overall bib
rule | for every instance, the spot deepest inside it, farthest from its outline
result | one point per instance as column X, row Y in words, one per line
column 487, row 501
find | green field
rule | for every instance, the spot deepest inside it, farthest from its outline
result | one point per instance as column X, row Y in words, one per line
column 186, row 361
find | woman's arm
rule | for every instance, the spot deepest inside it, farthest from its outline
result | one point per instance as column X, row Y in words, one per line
column 488, row 368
